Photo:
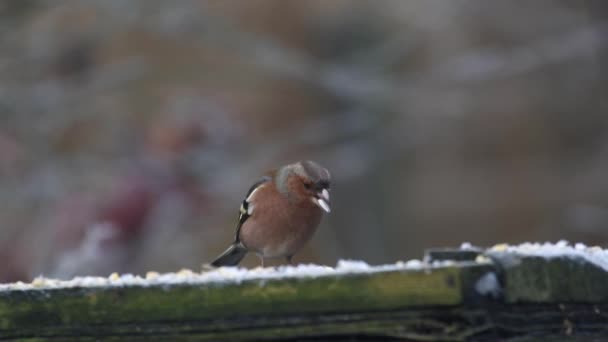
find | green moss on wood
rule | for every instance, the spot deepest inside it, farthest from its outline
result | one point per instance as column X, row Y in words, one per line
column 79, row 308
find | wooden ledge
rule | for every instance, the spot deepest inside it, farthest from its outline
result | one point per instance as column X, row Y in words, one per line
column 454, row 295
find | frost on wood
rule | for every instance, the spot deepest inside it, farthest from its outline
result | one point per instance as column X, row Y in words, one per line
column 507, row 255
column 222, row 275
column 550, row 272
column 562, row 249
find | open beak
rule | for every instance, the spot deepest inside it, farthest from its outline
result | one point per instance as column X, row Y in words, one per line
column 322, row 200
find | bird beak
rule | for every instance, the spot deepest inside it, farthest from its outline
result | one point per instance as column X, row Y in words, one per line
column 322, row 200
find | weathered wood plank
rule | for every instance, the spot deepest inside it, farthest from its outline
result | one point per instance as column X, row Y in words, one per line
column 536, row 279
column 490, row 323
column 217, row 307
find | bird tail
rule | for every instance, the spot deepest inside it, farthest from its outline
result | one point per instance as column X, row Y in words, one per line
column 231, row 257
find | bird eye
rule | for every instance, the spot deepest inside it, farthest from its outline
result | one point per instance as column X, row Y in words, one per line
column 324, row 185
column 308, row 186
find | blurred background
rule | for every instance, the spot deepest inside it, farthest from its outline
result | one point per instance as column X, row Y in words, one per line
column 131, row 130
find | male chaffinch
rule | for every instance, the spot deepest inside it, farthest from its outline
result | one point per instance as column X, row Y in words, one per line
column 280, row 213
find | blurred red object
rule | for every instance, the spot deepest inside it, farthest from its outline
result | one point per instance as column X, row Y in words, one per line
column 128, row 206
column 97, row 238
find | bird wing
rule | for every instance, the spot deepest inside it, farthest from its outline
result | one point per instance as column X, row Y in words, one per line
column 246, row 209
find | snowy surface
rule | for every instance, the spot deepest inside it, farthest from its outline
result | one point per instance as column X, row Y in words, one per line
column 487, row 285
column 221, row 275
column 561, row 249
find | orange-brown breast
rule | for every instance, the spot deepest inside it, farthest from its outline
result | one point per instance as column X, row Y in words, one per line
column 278, row 227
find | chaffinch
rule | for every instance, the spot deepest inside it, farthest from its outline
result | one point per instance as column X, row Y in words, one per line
column 280, row 213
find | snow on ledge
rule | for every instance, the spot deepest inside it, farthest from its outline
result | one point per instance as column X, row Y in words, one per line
column 221, row 275
column 579, row 251
column 562, row 249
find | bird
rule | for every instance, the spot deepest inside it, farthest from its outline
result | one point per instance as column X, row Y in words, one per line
column 280, row 213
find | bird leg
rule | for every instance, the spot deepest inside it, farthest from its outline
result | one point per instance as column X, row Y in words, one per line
column 261, row 259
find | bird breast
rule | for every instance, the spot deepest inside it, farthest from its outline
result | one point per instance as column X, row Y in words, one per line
column 279, row 228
